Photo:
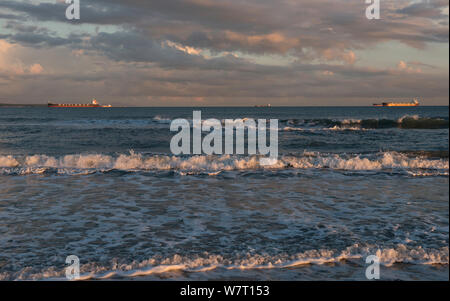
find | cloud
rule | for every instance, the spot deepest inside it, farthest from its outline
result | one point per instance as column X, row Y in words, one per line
column 5, row 46
column 36, row 69
column 185, row 49
column 274, row 42
column 335, row 54
column 426, row 9
column 405, row 67
column 219, row 51
column 257, row 26
column 13, row 66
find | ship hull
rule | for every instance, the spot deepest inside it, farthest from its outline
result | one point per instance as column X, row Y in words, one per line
column 52, row 105
column 397, row 104
column 400, row 105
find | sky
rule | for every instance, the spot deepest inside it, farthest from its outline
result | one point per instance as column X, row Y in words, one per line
column 224, row 52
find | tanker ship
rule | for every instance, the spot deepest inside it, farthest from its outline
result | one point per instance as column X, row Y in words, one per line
column 93, row 104
column 413, row 103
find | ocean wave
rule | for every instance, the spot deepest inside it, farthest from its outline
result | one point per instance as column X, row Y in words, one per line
column 404, row 122
column 95, row 123
column 207, row 262
column 106, row 123
column 334, row 128
column 89, row 163
column 27, row 119
column 427, row 174
column 158, row 121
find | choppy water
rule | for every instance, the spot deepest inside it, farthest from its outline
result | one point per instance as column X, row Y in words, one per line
column 102, row 184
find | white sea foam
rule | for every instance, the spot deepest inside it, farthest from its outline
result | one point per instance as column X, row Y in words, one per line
column 350, row 121
column 290, row 129
column 347, row 128
column 421, row 173
column 82, row 163
column 246, row 122
column 203, row 263
column 8, row 161
column 334, row 128
column 413, row 117
column 160, row 119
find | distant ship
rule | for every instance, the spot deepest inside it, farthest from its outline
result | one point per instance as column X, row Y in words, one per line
column 263, row 106
column 93, row 104
column 413, row 103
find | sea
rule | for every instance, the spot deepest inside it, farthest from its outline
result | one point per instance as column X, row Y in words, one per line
column 103, row 185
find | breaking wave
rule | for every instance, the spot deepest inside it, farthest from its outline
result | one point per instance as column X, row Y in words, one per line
column 207, row 262
column 405, row 122
column 212, row 165
column 158, row 121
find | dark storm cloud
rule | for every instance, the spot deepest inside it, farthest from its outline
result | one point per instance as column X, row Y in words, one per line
column 132, row 47
column 36, row 36
column 33, row 39
column 430, row 9
column 255, row 26
column 42, row 11
column 92, row 12
column 116, row 12
column 11, row 17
